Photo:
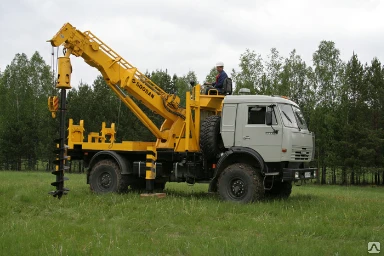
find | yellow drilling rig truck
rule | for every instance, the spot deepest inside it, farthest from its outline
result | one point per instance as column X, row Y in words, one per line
column 245, row 146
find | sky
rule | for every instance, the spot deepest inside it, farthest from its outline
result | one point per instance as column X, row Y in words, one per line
column 182, row 36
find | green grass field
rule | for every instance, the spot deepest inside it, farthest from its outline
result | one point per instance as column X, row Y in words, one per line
column 327, row 220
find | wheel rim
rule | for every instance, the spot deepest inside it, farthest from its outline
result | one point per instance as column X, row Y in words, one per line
column 105, row 180
column 237, row 188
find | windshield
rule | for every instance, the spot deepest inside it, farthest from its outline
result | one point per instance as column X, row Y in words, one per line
column 300, row 118
column 289, row 119
column 292, row 116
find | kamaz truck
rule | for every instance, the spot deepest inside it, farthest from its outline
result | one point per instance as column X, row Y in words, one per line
column 246, row 147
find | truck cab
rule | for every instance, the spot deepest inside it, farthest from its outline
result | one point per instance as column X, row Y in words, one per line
column 272, row 126
column 266, row 134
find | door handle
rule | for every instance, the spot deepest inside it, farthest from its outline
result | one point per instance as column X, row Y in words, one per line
column 246, row 138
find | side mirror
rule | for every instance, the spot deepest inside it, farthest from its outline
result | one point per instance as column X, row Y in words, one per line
column 268, row 118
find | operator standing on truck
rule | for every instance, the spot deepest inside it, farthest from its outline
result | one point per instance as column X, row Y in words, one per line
column 218, row 85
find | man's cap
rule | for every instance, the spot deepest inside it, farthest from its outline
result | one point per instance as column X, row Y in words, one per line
column 220, row 64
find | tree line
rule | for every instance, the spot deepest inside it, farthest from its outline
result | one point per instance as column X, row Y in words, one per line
column 343, row 103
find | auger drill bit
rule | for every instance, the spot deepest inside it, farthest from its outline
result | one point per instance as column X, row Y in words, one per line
column 60, row 152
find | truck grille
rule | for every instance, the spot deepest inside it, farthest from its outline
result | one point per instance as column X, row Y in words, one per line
column 303, row 154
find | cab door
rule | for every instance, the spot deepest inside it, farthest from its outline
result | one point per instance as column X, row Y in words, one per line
column 252, row 131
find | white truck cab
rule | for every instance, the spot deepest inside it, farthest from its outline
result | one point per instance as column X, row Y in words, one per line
column 275, row 128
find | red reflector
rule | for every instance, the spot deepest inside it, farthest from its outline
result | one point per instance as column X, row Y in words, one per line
column 85, row 153
column 283, row 150
column 213, row 166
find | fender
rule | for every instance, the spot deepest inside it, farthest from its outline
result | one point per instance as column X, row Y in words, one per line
column 229, row 157
column 120, row 160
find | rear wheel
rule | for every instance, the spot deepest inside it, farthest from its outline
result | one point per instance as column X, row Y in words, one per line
column 105, row 177
column 280, row 190
column 241, row 183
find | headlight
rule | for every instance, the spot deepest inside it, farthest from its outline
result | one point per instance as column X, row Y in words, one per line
column 296, row 175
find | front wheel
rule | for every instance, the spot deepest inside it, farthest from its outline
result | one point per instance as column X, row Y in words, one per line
column 241, row 183
column 105, row 177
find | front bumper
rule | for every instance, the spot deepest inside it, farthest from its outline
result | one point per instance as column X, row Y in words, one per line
column 299, row 174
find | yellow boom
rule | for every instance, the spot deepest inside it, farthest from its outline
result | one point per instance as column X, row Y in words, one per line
column 127, row 82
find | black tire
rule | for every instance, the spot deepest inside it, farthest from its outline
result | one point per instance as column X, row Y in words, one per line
column 124, row 183
column 105, row 177
column 241, row 183
column 211, row 142
column 280, row 190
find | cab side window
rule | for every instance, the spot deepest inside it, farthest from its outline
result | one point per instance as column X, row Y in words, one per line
column 256, row 114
